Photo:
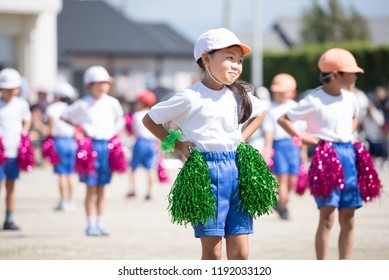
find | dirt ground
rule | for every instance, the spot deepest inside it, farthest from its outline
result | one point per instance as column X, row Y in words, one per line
column 141, row 230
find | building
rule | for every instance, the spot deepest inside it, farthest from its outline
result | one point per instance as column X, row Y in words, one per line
column 137, row 54
column 28, row 38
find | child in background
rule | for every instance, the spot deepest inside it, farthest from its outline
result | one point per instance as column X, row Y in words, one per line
column 331, row 114
column 211, row 115
column 280, row 148
column 145, row 149
column 15, row 119
column 65, row 144
column 100, row 116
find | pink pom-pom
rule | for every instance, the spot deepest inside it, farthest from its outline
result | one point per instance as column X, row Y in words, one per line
column 48, row 151
column 162, row 173
column 129, row 120
column 85, row 157
column 302, row 180
column 368, row 180
column 326, row 171
column 117, row 159
column 3, row 155
column 26, row 158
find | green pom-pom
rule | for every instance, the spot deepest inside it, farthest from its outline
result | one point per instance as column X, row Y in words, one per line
column 191, row 199
column 167, row 145
column 257, row 185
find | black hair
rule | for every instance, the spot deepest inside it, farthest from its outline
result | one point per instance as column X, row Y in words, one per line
column 241, row 89
column 325, row 77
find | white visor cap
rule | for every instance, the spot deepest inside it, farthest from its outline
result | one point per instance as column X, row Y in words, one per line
column 64, row 90
column 10, row 79
column 215, row 39
column 96, row 74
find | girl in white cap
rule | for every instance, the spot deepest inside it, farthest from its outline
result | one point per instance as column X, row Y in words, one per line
column 63, row 137
column 15, row 119
column 100, row 116
column 215, row 115
column 341, row 174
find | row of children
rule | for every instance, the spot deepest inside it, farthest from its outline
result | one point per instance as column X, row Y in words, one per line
column 93, row 120
column 224, row 182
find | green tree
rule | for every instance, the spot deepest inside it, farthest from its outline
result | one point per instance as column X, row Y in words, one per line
column 332, row 24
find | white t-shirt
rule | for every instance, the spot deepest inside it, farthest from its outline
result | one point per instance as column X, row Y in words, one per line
column 12, row 116
column 328, row 117
column 60, row 128
column 276, row 110
column 139, row 129
column 207, row 118
column 99, row 118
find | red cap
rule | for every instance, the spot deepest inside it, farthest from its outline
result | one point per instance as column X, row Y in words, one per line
column 148, row 97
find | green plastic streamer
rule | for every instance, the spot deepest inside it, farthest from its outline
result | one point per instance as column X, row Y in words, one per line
column 191, row 199
column 167, row 145
column 257, row 185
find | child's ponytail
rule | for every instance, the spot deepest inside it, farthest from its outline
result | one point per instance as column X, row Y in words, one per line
column 242, row 90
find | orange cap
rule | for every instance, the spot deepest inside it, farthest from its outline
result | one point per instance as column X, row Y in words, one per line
column 338, row 60
column 283, row 83
column 148, row 97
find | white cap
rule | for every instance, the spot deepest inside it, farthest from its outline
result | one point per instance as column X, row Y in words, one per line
column 64, row 90
column 215, row 39
column 10, row 79
column 96, row 74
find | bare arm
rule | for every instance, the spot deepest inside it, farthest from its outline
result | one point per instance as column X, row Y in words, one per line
column 287, row 125
column 27, row 125
column 160, row 132
column 252, row 125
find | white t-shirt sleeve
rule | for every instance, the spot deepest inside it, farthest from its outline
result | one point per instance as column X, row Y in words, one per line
column 172, row 109
column 26, row 112
column 303, row 111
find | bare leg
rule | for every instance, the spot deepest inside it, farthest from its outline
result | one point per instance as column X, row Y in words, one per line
column 131, row 192
column 283, row 193
column 237, row 247
column 211, row 247
column 89, row 200
column 62, row 187
column 10, row 196
column 346, row 236
column 326, row 222
column 100, row 203
column 150, row 182
column 70, row 186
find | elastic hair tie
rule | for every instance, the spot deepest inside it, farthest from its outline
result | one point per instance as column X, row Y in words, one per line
column 168, row 143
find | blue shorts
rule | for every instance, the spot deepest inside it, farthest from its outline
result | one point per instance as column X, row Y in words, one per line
column 230, row 219
column 102, row 174
column 66, row 148
column 286, row 159
column 143, row 153
column 9, row 169
column 349, row 196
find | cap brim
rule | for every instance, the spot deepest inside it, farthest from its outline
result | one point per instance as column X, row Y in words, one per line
column 355, row 69
column 245, row 49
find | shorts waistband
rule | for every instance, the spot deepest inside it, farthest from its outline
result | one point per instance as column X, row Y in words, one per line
column 215, row 156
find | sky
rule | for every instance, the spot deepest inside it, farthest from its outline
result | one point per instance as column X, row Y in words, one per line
column 192, row 18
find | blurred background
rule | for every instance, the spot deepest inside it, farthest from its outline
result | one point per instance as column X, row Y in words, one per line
column 149, row 43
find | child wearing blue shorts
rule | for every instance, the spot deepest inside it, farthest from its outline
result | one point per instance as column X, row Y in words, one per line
column 100, row 116
column 215, row 115
column 331, row 115
column 15, row 119
column 286, row 157
column 145, row 150
column 64, row 143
